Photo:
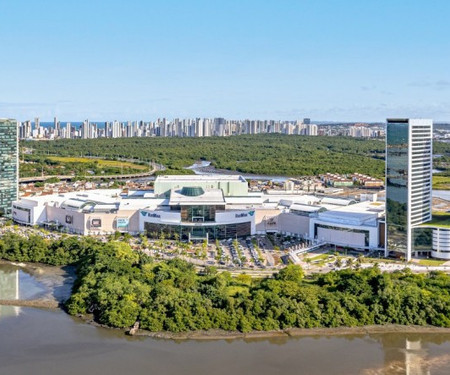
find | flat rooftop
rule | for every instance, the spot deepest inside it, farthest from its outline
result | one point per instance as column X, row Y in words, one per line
column 209, row 197
column 362, row 213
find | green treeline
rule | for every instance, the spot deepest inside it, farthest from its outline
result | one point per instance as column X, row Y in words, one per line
column 120, row 286
column 271, row 154
column 69, row 250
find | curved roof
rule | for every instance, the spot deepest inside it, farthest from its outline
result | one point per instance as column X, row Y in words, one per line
column 192, row 191
column 337, row 201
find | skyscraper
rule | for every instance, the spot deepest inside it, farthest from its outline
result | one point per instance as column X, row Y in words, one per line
column 408, row 181
column 311, row 129
column 9, row 164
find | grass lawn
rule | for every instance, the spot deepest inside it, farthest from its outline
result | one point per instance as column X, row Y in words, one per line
column 382, row 260
column 320, row 257
column 441, row 182
column 101, row 162
column 440, row 219
column 431, row 262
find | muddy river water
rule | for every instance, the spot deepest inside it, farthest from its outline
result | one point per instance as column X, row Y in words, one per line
column 37, row 341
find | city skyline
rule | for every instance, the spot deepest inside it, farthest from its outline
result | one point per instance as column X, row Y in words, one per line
column 98, row 60
column 191, row 127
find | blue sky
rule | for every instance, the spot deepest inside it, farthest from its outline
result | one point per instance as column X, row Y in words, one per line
column 134, row 59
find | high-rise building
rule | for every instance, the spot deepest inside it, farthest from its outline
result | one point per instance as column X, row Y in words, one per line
column 311, row 129
column 68, row 131
column 408, row 181
column 56, row 127
column 199, row 128
column 25, row 130
column 9, row 164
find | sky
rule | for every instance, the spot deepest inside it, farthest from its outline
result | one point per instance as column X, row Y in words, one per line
column 333, row 60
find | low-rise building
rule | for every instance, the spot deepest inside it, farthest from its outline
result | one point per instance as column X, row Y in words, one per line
column 206, row 212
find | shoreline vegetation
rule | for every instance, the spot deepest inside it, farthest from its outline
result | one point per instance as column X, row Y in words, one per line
column 119, row 288
column 219, row 334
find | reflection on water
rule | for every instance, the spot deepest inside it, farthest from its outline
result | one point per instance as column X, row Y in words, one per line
column 404, row 356
column 42, row 342
column 9, row 289
column 9, row 284
column 413, row 354
column 18, row 283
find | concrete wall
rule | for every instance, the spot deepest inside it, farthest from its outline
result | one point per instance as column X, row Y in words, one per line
column 61, row 215
column 37, row 213
column 340, row 237
column 84, row 223
column 274, row 220
column 266, row 218
column 294, row 225
column 345, row 238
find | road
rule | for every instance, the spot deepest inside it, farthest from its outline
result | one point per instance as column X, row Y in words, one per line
column 70, row 177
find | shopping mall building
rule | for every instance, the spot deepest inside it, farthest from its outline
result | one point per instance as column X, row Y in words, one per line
column 207, row 207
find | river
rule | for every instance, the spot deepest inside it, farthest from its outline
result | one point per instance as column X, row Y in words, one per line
column 38, row 342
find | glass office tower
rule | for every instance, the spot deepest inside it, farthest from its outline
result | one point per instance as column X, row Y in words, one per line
column 9, row 165
column 408, row 181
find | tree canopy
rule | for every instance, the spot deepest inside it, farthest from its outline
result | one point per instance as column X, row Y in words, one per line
column 120, row 286
column 269, row 154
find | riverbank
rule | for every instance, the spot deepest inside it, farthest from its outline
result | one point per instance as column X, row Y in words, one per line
column 292, row 332
column 37, row 303
column 48, row 300
column 217, row 334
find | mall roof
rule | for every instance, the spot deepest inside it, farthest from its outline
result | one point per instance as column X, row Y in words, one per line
column 362, row 213
column 305, row 208
column 209, row 197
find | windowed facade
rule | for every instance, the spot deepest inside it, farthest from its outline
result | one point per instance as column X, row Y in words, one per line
column 8, row 165
column 408, row 182
column 397, row 186
column 186, row 232
column 422, row 240
column 199, row 214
